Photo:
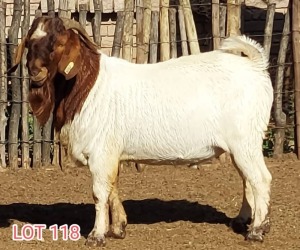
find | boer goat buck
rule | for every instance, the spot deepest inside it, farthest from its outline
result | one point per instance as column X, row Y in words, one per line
column 181, row 111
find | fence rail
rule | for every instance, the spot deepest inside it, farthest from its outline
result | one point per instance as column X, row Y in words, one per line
column 161, row 34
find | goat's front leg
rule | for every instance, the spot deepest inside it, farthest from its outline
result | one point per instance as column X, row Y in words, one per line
column 104, row 175
column 118, row 215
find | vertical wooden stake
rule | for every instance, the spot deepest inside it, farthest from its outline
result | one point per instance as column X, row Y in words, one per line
column 25, row 90
column 190, row 26
column 37, row 130
column 164, row 31
column 139, row 31
column 296, row 56
column 269, row 28
column 83, row 8
column 173, row 44
column 128, row 31
column 154, row 37
column 3, row 85
column 50, row 6
column 63, row 9
column 15, row 88
column 184, row 46
column 233, row 17
column 223, row 9
column 117, row 43
column 215, row 23
column 96, row 22
column 279, row 115
column 146, row 29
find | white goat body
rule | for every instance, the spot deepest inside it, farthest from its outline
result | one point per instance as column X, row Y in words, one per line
column 180, row 111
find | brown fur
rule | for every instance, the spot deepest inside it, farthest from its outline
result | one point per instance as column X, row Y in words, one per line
column 62, row 92
column 73, row 99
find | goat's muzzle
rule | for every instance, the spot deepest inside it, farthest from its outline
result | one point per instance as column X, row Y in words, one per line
column 39, row 79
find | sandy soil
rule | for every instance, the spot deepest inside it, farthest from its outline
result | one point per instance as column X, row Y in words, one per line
column 168, row 207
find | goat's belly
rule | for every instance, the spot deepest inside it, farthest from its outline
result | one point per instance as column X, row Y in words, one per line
column 170, row 156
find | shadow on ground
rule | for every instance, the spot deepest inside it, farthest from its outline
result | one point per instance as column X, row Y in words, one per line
column 146, row 211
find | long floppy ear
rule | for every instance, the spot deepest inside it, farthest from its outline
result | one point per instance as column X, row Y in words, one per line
column 18, row 55
column 69, row 64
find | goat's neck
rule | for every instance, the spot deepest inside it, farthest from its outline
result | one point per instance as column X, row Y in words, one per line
column 76, row 90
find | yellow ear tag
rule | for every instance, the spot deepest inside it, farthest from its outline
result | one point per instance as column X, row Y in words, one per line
column 68, row 68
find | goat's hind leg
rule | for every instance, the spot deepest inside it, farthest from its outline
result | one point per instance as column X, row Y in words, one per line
column 250, row 162
column 240, row 223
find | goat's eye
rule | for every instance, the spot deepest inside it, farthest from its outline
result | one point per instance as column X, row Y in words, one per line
column 51, row 56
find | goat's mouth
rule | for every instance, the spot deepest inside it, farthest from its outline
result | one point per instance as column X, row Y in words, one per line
column 39, row 79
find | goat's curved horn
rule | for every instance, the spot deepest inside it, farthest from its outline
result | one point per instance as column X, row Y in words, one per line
column 72, row 24
column 18, row 55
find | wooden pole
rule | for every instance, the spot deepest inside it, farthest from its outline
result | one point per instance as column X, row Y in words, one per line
column 233, row 17
column 83, row 9
column 223, row 10
column 269, row 28
column 164, row 31
column 128, row 31
column 47, row 129
column 25, row 91
column 96, row 22
column 173, row 44
column 296, row 56
column 14, row 118
column 190, row 26
column 279, row 115
column 184, row 46
column 37, row 143
column 63, row 9
column 117, row 43
column 154, row 37
column 3, row 84
column 139, row 31
column 215, row 8
column 50, row 6
column 146, row 29
column 37, row 131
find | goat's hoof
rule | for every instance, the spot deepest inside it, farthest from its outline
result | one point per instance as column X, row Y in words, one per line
column 255, row 235
column 95, row 241
column 117, row 232
column 239, row 224
column 266, row 226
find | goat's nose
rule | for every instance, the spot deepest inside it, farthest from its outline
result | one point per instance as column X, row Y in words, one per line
column 34, row 72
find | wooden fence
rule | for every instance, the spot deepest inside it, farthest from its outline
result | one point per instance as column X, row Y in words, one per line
column 161, row 34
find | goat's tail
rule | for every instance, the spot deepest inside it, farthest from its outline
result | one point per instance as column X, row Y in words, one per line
column 250, row 48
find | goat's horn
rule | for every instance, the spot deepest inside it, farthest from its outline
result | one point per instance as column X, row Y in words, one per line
column 18, row 55
column 72, row 24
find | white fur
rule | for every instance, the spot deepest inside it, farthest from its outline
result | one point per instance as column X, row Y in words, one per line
column 179, row 111
column 39, row 32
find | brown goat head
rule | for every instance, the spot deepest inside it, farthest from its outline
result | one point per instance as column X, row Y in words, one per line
column 54, row 48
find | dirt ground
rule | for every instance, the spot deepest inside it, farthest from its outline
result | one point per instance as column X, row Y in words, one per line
column 167, row 207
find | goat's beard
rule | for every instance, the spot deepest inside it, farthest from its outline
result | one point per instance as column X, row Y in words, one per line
column 41, row 100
